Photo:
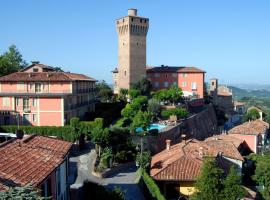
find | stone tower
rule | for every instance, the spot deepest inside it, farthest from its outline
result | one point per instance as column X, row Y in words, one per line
column 213, row 89
column 132, row 31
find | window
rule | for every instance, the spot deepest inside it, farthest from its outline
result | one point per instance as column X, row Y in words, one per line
column 140, row 20
column 174, row 84
column 34, row 102
column 26, row 119
column 6, row 101
column 213, row 83
column 32, row 85
column 37, row 87
column 184, row 75
column 194, row 86
column 125, row 73
column 157, row 75
column 174, row 74
column 156, row 84
column 20, row 85
column 166, row 84
column 166, row 75
column 35, row 69
column 17, row 101
column 25, row 103
column 34, row 117
column 184, row 84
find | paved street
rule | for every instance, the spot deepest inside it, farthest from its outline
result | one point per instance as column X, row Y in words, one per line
column 126, row 179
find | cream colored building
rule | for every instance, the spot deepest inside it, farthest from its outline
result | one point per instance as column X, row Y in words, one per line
column 132, row 31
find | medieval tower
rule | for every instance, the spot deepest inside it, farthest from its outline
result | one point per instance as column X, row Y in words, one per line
column 132, row 31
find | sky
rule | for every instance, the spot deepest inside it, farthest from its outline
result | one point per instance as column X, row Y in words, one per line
column 228, row 39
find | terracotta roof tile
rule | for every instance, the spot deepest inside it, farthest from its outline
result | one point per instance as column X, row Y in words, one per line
column 30, row 160
column 45, row 76
column 250, row 128
column 172, row 69
column 183, row 161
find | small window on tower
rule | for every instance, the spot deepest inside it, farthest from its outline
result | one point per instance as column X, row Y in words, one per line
column 123, row 20
column 132, row 19
column 145, row 21
column 140, row 20
column 125, row 73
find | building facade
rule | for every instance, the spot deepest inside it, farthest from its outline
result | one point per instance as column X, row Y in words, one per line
column 40, row 96
column 189, row 79
column 132, row 31
column 36, row 160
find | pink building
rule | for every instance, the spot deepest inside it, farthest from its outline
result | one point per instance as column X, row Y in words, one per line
column 40, row 96
column 36, row 160
column 189, row 79
column 255, row 133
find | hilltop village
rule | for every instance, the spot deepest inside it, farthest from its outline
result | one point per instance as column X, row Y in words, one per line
column 161, row 132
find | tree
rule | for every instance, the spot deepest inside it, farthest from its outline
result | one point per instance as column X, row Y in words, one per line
column 143, row 85
column 129, row 112
column 142, row 120
column 209, row 183
column 123, row 94
column 11, row 61
column 100, row 137
column 154, row 107
column 143, row 159
column 262, row 174
column 252, row 114
column 173, row 95
column 23, row 193
column 133, row 93
column 232, row 186
column 179, row 112
column 104, row 91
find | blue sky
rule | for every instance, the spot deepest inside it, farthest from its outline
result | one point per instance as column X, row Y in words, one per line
column 228, row 39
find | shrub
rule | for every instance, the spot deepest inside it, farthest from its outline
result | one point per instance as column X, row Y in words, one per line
column 152, row 186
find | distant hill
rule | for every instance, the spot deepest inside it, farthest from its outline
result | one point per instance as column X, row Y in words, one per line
column 239, row 93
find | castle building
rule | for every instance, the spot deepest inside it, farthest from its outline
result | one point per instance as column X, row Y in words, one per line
column 40, row 96
column 132, row 31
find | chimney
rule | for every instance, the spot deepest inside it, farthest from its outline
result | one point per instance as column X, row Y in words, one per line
column 261, row 115
column 183, row 137
column 168, row 145
column 35, row 62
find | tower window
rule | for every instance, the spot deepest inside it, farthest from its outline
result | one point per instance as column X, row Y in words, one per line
column 140, row 20
column 125, row 73
column 145, row 21
column 123, row 20
column 132, row 19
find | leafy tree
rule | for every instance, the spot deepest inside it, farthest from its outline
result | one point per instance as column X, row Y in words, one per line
column 75, row 125
column 58, row 69
column 133, row 93
column 129, row 112
column 123, row 94
column 154, row 107
column 23, row 193
column 141, row 119
column 262, row 174
column 173, row 95
column 252, row 114
column 143, row 85
column 209, row 183
column 143, row 159
column 104, row 91
column 11, row 61
column 179, row 112
column 232, row 186
column 141, row 100
column 100, row 136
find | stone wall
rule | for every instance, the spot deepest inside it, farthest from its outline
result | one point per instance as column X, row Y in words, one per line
column 198, row 126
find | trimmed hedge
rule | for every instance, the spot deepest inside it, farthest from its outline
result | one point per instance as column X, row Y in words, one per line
column 61, row 132
column 152, row 186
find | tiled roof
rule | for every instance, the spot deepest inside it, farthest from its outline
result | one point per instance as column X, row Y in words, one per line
column 183, row 161
column 174, row 164
column 250, row 128
column 45, row 76
column 172, row 69
column 30, row 160
column 39, row 65
column 227, row 145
